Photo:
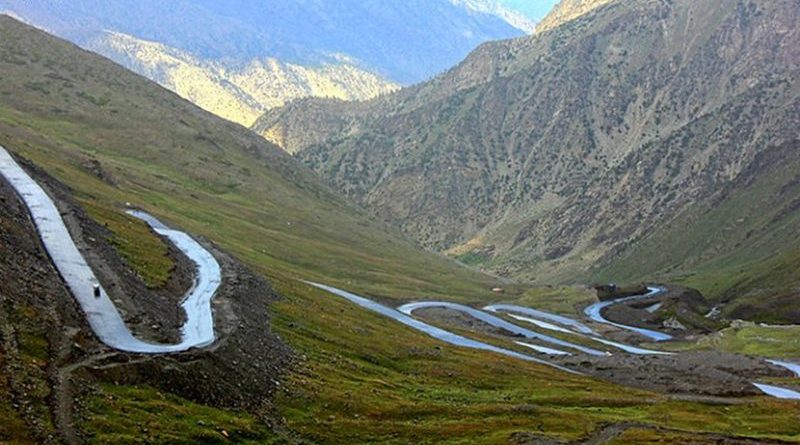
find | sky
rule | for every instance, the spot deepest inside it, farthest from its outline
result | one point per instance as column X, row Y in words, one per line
column 535, row 9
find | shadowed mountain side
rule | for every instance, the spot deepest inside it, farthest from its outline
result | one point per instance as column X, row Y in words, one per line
column 552, row 157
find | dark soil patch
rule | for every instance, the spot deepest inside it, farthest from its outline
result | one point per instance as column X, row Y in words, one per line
column 608, row 432
column 38, row 319
column 461, row 320
column 707, row 373
column 680, row 306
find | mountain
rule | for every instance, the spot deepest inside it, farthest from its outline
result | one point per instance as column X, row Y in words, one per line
column 241, row 58
column 292, row 364
column 105, row 130
column 99, row 138
column 632, row 140
column 494, row 7
column 240, row 94
column 567, row 10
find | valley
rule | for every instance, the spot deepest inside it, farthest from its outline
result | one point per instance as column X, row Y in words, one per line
column 657, row 370
column 434, row 265
column 638, row 141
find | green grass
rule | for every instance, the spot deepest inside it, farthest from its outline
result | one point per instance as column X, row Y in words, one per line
column 775, row 342
column 30, row 373
column 560, row 299
column 361, row 378
column 145, row 252
column 368, row 380
column 747, row 284
column 473, row 258
column 140, row 414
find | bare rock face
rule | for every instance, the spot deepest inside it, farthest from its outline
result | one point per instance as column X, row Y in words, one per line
column 673, row 323
column 631, row 138
column 568, row 10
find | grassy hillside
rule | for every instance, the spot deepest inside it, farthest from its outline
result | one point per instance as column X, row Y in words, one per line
column 356, row 378
column 115, row 137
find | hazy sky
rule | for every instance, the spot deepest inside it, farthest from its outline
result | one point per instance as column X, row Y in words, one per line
column 535, row 9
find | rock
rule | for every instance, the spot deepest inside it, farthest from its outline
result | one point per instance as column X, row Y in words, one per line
column 673, row 323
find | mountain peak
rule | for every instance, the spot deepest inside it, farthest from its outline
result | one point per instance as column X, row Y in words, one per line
column 495, row 8
column 568, row 10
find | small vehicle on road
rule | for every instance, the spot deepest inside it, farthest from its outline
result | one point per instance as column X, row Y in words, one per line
column 96, row 290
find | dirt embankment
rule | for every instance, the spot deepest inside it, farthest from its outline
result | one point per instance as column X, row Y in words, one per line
column 152, row 314
column 40, row 323
column 39, row 317
column 607, row 292
column 680, row 311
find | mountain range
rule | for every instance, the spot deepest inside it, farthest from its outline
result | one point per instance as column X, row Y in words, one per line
column 624, row 140
column 240, row 58
column 293, row 363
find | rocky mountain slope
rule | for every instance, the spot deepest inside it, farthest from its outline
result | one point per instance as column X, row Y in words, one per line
column 239, row 59
column 566, row 155
column 568, row 10
column 242, row 93
column 109, row 133
column 292, row 364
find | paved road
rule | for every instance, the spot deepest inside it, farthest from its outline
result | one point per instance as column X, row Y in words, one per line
column 498, row 323
column 794, row 367
column 543, row 349
column 778, row 392
column 595, row 313
column 198, row 330
column 403, row 315
column 433, row 331
column 103, row 316
column 541, row 315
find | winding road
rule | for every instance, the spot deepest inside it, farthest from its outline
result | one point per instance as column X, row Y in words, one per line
column 778, row 392
column 198, row 329
column 404, row 314
column 595, row 313
column 103, row 316
column 541, row 315
column 794, row 367
column 580, row 328
column 433, row 331
column 498, row 323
